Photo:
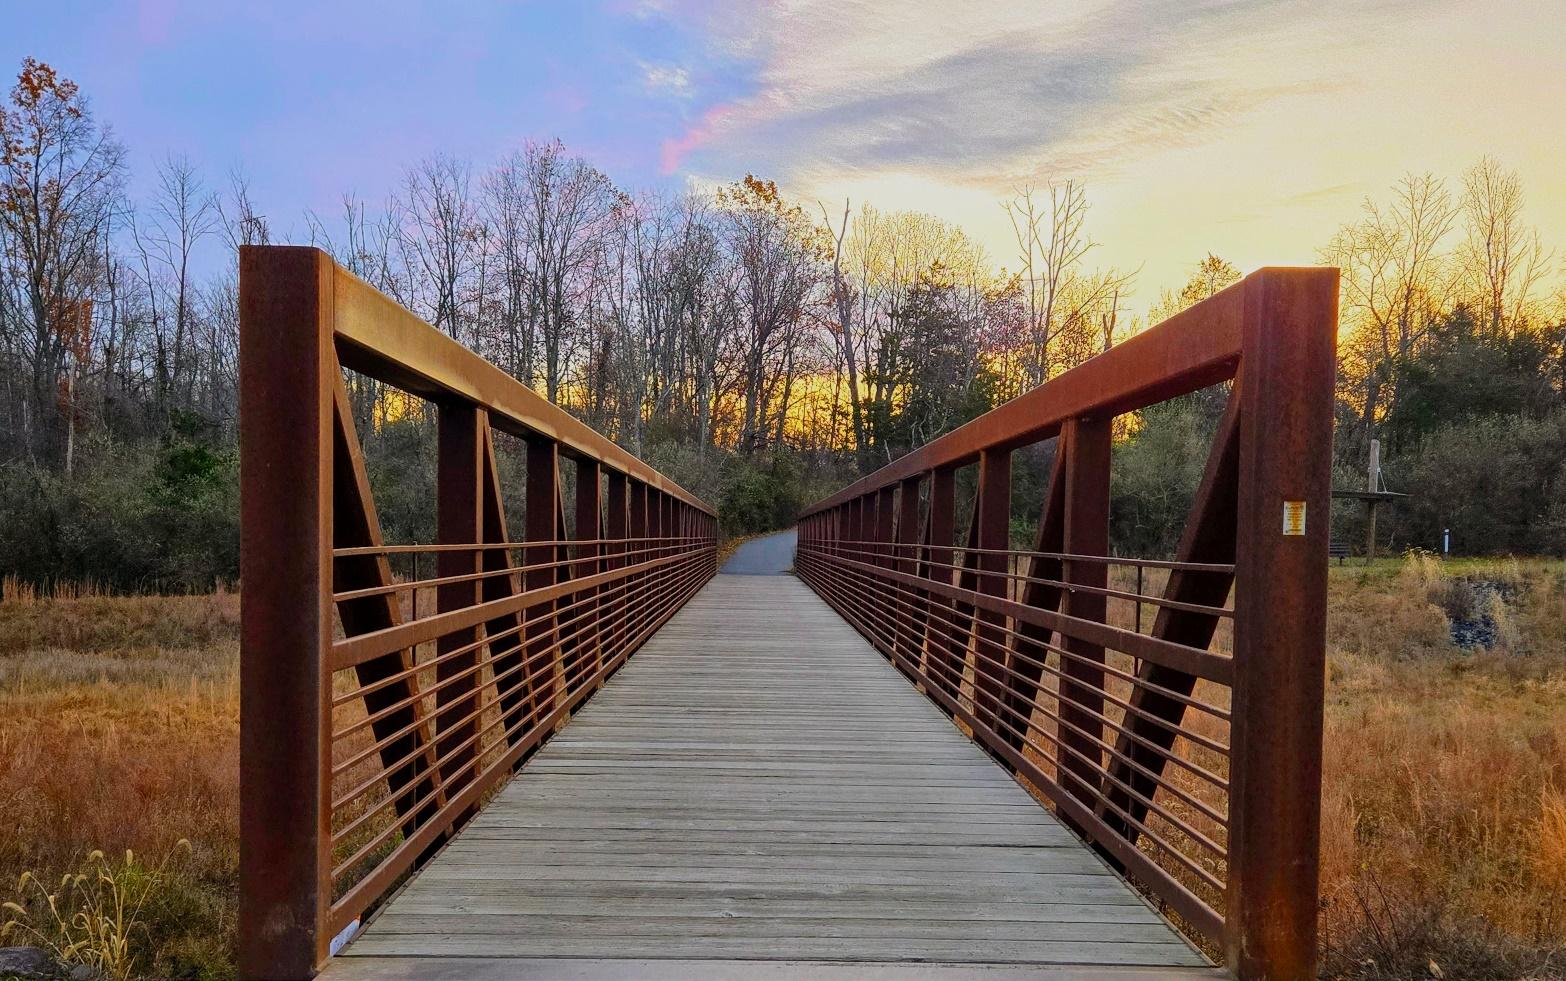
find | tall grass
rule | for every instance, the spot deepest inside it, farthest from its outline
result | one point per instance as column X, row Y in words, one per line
column 1443, row 809
column 93, row 917
column 119, row 721
column 1444, row 806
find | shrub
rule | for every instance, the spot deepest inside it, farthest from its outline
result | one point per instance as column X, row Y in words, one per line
column 762, row 493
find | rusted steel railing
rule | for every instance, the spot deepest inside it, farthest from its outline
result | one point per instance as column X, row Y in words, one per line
column 373, row 724
column 1185, row 745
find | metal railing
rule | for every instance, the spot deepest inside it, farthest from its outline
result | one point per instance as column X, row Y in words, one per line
column 370, row 732
column 1184, row 744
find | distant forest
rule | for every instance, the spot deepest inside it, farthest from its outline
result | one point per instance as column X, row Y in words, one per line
column 760, row 350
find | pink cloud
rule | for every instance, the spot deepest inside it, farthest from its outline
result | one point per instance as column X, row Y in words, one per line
column 672, row 152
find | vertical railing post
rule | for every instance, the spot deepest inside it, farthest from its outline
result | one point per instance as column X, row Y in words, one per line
column 616, row 530
column 886, row 593
column 905, row 559
column 940, row 647
column 1286, row 391
column 639, row 554
column 542, row 525
column 1084, row 531
column 286, row 364
column 589, row 529
column 459, row 519
column 658, row 519
column 993, row 511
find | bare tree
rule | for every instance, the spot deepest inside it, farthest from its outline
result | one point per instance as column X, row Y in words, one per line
column 1052, row 242
column 440, row 236
column 567, row 202
column 182, row 213
column 59, row 180
column 1502, row 261
column 843, row 297
column 779, row 266
column 1396, row 280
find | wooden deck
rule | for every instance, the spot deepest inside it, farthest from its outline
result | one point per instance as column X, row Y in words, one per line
column 759, row 794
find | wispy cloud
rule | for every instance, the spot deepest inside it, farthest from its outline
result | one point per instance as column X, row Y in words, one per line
column 671, row 80
column 994, row 93
column 1246, row 127
column 675, row 150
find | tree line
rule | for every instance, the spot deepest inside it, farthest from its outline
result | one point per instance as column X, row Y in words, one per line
column 759, row 349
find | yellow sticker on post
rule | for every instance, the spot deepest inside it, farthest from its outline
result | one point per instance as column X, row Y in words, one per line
column 1294, row 517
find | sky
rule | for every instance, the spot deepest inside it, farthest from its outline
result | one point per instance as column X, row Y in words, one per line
column 1245, row 128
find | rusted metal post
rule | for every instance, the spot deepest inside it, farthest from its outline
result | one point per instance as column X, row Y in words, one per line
column 542, row 525
column 639, row 553
column 506, row 652
column 589, row 529
column 993, row 515
column 459, row 517
column 286, row 368
column 658, row 531
column 616, row 530
column 1085, row 531
column 886, row 595
column 906, row 559
column 940, row 648
column 1280, row 622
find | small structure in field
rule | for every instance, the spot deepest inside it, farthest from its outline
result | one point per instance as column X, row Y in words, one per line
column 1374, row 495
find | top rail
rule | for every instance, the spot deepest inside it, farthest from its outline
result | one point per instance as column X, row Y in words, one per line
column 380, row 338
column 382, row 703
column 1191, row 350
column 1186, row 745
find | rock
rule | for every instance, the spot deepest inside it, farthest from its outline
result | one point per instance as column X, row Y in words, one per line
column 81, row 972
column 27, row 962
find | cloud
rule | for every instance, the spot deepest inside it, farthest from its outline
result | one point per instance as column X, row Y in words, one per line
column 674, row 151
column 666, row 80
column 992, row 94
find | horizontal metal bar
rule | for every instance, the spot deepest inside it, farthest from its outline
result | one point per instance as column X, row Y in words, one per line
column 1191, row 908
column 1202, row 664
column 355, row 650
column 358, row 897
column 1191, row 350
column 379, row 338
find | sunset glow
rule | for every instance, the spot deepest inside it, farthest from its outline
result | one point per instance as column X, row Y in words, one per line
column 1248, row 129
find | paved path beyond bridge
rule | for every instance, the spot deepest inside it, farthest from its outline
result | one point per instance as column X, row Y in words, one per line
column 770, row 555
column 759, row 794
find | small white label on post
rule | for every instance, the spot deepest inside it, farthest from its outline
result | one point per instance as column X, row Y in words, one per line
column 1294, row 517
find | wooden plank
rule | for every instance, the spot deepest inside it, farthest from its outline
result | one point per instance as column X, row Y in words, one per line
column 758, row 786
column 689, row 969
column 599, row 942
column 537, row 927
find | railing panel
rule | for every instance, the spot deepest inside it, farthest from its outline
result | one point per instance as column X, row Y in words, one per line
column 361, row 751
column 1185, row 745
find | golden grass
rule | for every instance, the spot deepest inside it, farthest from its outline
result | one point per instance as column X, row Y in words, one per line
column 1444, row 824
column 1444, row 809
column 119, row 722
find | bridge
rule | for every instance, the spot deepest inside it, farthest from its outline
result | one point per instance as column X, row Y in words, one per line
column 582, row 752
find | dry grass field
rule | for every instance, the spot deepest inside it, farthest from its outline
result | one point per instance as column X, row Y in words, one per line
column 119, row 721
column 1444, row 812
